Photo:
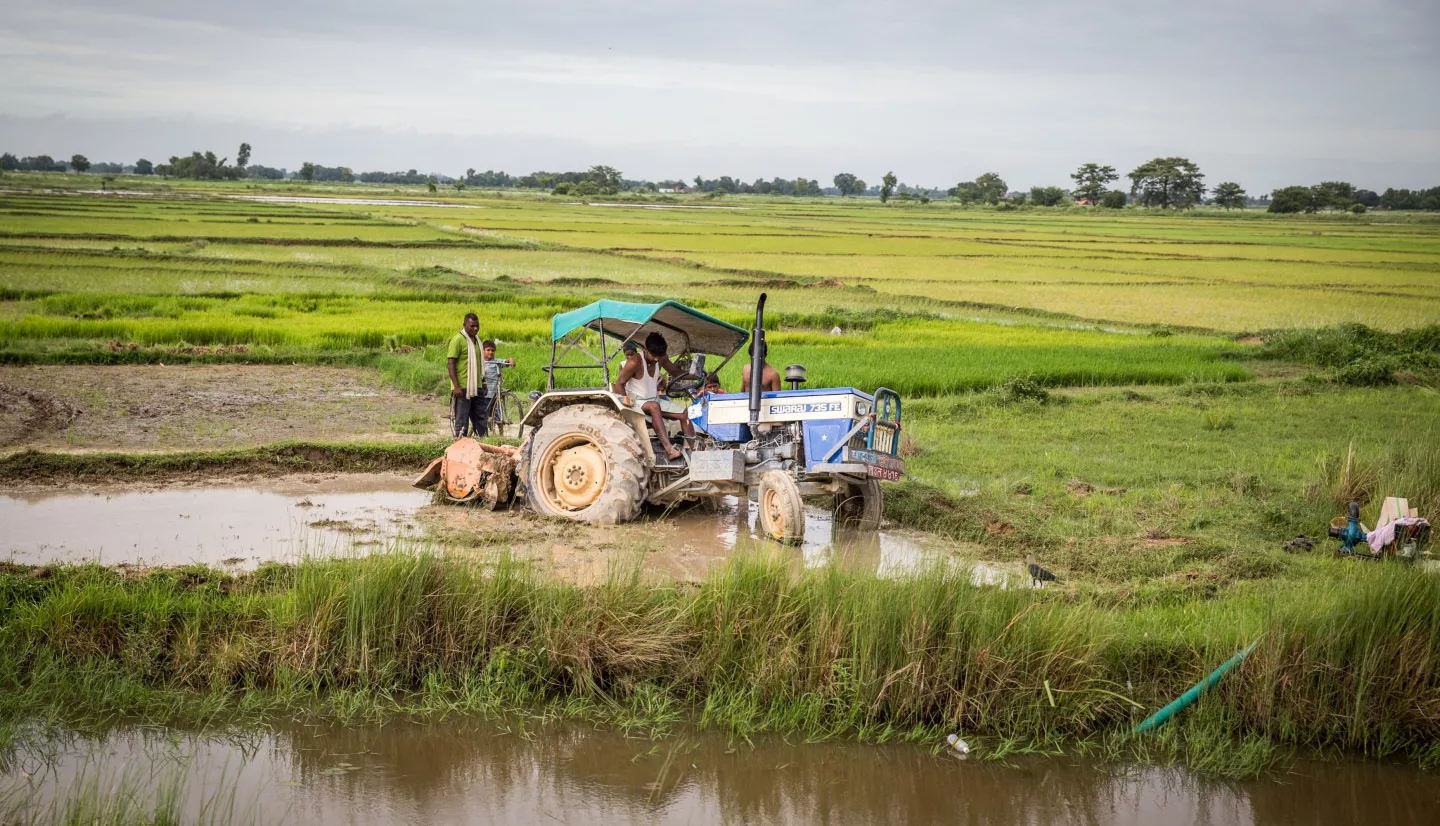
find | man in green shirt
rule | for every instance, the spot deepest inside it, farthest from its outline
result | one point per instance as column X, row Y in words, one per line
column 467, row 392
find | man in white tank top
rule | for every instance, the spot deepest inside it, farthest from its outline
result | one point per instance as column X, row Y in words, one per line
column 639, row 381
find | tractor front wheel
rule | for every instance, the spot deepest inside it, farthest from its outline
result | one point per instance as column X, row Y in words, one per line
column 782, row 511
column 862, row 505
column 586, row 464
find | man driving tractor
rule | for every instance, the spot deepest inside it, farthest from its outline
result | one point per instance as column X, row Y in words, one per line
column 639, row 380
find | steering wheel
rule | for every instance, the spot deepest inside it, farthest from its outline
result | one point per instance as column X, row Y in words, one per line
column 683, row 385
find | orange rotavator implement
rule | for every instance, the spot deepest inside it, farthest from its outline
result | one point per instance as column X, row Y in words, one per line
column 471, row 471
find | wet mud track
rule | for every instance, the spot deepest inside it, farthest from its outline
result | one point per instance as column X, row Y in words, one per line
column 250, row 521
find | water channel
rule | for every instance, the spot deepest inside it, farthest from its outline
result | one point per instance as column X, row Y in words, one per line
column 487, row 773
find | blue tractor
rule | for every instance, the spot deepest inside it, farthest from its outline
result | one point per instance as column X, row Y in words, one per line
column 591, row 456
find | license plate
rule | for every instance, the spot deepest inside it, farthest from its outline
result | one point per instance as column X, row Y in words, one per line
column 872, row 458
column 883, row 473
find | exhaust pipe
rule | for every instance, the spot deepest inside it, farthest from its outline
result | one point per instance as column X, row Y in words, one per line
column 757, row 364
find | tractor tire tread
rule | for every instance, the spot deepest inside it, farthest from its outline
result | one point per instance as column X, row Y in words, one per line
column 791, row 504
column 625, row 472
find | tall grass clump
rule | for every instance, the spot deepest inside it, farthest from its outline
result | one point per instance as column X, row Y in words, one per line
column 1357, row 355
column 1407, row 467
column 1352, row 662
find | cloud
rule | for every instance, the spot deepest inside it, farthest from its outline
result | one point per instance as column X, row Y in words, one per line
column 938, row 90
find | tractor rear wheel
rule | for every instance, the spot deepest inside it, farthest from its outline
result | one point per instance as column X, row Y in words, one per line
column 782, row 511
column 862, row 505
column 586, row 463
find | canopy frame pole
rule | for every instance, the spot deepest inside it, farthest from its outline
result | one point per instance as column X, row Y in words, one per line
column 575, row 344
column 604, row 357
column 550, row 373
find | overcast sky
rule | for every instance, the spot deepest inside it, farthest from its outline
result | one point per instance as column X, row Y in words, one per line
column 1264, row 92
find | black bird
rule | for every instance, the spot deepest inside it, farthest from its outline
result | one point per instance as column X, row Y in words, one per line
column 1038, row 575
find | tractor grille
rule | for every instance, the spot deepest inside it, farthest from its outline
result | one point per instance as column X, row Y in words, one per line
column 885, row 435
column 884, row 438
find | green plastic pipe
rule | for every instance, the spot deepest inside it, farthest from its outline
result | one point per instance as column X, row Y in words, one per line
column 1163, row 716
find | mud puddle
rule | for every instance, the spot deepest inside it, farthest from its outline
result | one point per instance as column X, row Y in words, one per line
column 468, row 772
column 237, row 526
column 684, row 543
column 886, row 552
column 247, row 523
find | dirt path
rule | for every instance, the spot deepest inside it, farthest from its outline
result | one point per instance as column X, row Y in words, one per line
column 151, row 407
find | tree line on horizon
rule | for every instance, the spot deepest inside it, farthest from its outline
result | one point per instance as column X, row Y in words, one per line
column 1160, row 183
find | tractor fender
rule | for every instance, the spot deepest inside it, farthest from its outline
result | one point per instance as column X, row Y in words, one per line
column 557, row 399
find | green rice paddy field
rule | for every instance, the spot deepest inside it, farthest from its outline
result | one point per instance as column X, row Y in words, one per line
column 931, row 300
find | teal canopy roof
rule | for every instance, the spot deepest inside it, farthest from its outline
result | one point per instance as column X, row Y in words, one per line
column 685, row 329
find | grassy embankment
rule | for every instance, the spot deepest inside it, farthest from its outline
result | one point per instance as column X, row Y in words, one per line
column 278, row 458
column 1350, row 662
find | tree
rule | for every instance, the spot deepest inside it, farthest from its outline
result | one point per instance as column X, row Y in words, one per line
column 807, row 188
column 1292, row 199
column 1334, row 195
column 242, row 158
column 429, row 183
column 1048, row 196
column 846, row 183
column 307, row 171
column 887, row 186
column 9, row 163
column 606, row 178
column 1114, row 199
column 1230, row 195
column 966, row 192
column 992, row 187
column 459, row 186
column 1367, row 198
column 45, row 163
column 79, row 163
column 1091, row 179
column 1168, row 183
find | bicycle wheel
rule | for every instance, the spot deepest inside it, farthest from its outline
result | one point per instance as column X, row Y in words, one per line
column 505, row 415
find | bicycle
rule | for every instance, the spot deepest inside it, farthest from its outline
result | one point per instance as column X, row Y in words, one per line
column 505, row 409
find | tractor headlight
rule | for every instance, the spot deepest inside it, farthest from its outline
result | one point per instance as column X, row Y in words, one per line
column 862, row 409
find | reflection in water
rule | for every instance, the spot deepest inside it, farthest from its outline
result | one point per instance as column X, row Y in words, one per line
column 469, row 773
column 886, row 553
column 207, row 525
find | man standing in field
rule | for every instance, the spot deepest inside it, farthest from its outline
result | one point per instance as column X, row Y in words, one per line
column 467, row 396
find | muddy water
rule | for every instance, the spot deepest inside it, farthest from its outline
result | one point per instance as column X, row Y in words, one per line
column 470, row 773
column 281, row 519
column 242, row 526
